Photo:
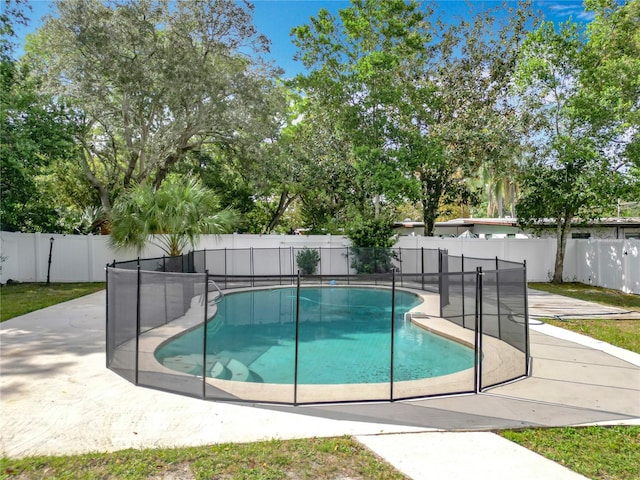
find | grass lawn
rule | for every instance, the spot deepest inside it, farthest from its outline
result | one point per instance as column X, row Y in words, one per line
column 621, row 333
column 602, row 453
column 317, row 458
column 20, row 298
column 606, row 453
column 601, row 295
column 611, row 453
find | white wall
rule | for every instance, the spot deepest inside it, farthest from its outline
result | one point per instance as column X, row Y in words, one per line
column 80, row 258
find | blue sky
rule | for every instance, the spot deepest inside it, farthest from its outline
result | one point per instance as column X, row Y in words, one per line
column 276, row 18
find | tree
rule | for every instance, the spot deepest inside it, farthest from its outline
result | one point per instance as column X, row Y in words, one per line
column 152, row 80
column 35, row 134
column 455, row 117
column 423, row 104
column 354, row 61
column 299, row 178
column 171, row 216
column 316, row 165
column 569, row 176
column 610, row 80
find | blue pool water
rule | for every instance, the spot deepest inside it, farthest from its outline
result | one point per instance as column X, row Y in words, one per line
column 344, row 337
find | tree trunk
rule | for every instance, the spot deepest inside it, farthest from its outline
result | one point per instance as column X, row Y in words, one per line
column 103, row 193
column 512, row 199
column 562, row 232
column 429, row 218
column 283, row 204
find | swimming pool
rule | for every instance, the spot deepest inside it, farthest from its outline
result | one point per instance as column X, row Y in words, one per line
column 344, row 337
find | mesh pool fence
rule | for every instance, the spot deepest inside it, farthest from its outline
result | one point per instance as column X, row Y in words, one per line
column 228, row 341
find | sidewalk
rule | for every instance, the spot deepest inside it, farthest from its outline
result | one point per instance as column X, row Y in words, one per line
column 57, row 397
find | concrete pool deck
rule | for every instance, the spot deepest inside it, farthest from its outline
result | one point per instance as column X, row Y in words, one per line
column 57, row 397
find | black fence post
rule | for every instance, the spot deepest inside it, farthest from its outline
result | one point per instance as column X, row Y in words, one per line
column 106, row 309
column 204, row 334
column 464, row 324
column 526, row 323
column 393, row 307
column 498, row 297
column 137, row 354
column 422, row 264
column 51, row 240
column 166, row 298
column 295, row 365
column 478, row 328
column 253, row 284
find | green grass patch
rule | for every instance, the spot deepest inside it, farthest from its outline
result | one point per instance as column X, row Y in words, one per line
column 604, row 296
column 20, row 298
column 595, row 452
column 621, row 333
column 599, row 453
column 301, row 459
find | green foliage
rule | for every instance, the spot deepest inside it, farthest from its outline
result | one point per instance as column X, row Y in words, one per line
column 421, row 104
column 171, row 217
column 35, row 133
column 372, row 240
column 571, row 176
column 153, row 81
column 307, row 260
column 355, row 60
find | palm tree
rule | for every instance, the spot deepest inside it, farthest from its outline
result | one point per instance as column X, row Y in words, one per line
column 501, row 188
column 171, row 216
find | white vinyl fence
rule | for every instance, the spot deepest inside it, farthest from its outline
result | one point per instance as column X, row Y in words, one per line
column 82, row 258
column 606, row 263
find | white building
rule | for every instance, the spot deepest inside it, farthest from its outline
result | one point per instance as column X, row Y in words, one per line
column 618, row 228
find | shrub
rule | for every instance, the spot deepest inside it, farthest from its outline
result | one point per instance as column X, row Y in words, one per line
column 372, row 241
column 308, row 260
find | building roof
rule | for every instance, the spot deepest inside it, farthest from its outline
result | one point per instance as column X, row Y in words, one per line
column 513, row 222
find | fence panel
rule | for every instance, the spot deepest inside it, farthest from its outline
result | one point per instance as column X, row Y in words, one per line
column 606, row 263
column 504, row 326
column 344, row 349
column 252, row 339
column 632, row 266
column 122, row 314
column 79, row 258
column 172, row 303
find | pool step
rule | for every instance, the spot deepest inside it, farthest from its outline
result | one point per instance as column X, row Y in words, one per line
column 217, row 367
column 239, row 371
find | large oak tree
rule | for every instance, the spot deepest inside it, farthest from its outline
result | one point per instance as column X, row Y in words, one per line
column 151, row 80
